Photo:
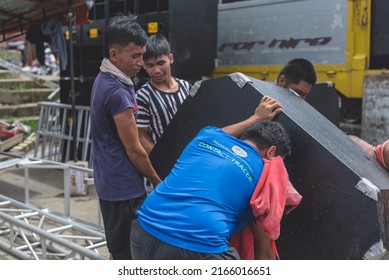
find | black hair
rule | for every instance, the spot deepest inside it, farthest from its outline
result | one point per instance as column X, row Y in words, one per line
column 297, row 70
column 122, row 30
column 269, row 133
column 157, row 45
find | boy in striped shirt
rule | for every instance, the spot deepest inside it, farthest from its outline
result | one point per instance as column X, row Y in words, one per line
column 160, row 98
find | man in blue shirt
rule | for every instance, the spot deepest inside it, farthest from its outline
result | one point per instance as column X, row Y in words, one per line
column 204, row 200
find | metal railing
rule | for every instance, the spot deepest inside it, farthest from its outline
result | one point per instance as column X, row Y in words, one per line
column 54, row 139
column 28, row 163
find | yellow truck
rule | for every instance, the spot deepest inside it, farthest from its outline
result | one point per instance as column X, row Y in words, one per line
column 346, row 40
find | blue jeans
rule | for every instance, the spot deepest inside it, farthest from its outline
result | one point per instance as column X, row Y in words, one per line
column 144, row 246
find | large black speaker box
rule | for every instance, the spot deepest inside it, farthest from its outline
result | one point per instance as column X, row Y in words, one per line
column 192, row 35
column 344, row 211
column 324, row 98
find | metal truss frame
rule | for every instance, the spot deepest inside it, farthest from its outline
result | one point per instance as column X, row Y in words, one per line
column 28, row 232
column 37, row 234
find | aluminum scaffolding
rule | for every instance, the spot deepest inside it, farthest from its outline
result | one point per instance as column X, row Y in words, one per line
column 35, row 234
column 30, row 232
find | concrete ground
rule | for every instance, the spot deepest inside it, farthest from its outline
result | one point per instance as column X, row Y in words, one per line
column 47, row 191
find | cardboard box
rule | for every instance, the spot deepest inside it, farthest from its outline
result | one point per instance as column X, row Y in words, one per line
column 78, row 187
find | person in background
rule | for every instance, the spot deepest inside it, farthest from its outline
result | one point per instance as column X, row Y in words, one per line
column 119, row 159
column 298, row 75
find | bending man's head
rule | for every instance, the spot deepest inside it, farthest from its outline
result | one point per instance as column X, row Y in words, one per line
column 298, row 75
column 270, row 139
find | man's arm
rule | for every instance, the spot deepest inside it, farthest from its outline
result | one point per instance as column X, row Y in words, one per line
column 262, row 244
column 145, row 139
column 267, row 109
column 386, row 155
column 128, row 133
column 367, row 147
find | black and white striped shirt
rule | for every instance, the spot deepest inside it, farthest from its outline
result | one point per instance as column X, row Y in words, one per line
column 157, row 108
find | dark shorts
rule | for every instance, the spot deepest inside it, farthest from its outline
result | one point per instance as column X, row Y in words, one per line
column 117, row 219
column 144, row 246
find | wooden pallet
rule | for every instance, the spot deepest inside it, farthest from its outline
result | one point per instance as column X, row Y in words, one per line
column 11, row 142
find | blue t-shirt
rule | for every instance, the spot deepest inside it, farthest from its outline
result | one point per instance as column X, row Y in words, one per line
column 115, row 176
column 205, row 198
